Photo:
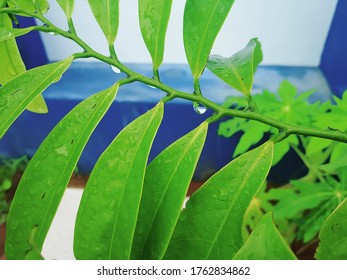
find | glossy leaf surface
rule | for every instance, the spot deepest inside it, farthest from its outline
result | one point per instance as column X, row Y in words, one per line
column 238, row 70
column 265, row 243
column 12, row 65
column 106, row 13
column 201, row 25
column 30, row 6
column 166, row 183
column 210, row 227
column 154, row 17
column 107, row 215
column 8, row 33
column 67, row 6
column 48, row 173
column 333, row 235
column 18, row 93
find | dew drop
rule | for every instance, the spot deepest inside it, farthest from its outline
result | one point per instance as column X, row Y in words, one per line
column 199, row 108
column 151, row 86
column 115, row 69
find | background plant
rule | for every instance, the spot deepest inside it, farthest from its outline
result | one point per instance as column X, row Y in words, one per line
column 131, row 210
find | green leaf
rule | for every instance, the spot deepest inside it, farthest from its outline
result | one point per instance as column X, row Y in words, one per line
column 154, row 17
column 201, row 25
column 166, row 183
column 47, row 175
column 12, row 65
column 106, row 13
column 67, row 6
column 333, row 235
column 18, row 93
column 30, row 6
column 265, row 243
column 210, row 227
column 9, row 33
column 238, row 70
column 116, row 182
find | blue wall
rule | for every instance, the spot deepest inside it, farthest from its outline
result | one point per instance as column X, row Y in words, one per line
column 334, row 58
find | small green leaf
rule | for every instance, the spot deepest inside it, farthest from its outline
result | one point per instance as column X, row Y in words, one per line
column 12, row 65
column 265, row 243
column 106, row 13
column 201, row 25
column 116, row 183
column 166, row 183
column 238, row 70
column 210, row 227
column 18, row 93
column 30, row 6
column 333, row 235
column 154, row 17
column 9, row 33
column 47, row 175
column 67, row 6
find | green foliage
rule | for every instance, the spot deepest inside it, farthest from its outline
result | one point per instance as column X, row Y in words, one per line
column 265, row 243
column 333, row 235
column 154, row 18
column 131, row 210
column 238, row 70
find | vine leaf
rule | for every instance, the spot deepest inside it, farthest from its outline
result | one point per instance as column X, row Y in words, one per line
column 201, row 25
column 9, row 33
column 30, row 6
column 333, row 235
column 19, row 92
column 67, row 6
column 210, row 227
column 238, row 70
column 47, row 175
column 12, row 65
column 265, row 243
column 116, row 182
column 106, row 13
column 166, row 183
column 154, row 17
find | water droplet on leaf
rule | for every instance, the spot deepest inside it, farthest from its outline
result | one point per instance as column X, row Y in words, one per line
column 199, row 108
column 115, row 69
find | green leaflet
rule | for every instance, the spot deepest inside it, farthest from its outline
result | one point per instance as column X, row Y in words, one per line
column 210, row 227
column 201, row 25
column 333, row 235
column 18, row 93
column 106, row 13
column 67, row 6
column 238, row 70
column 116, row 182
column 12, row 65
column 166, row 183
column 47, row 175
column 265, row 243
column 30, row 5
column 154, row 17
column 9, row 33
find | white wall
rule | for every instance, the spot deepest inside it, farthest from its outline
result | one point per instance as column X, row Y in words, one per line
column 292, row 32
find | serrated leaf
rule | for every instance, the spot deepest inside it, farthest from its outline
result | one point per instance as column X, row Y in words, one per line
column 19, row 92
column 10, row 33
column 166, row 183
column 201, row 25
column 12, row 65
column 30, row 6
column 67, row 6
column 333, row 235
column 265, row 243
column 48, row 172
column 116, row 182
column 154, row 17
column 238, row 70
column 210, row 227
column 106, row 13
